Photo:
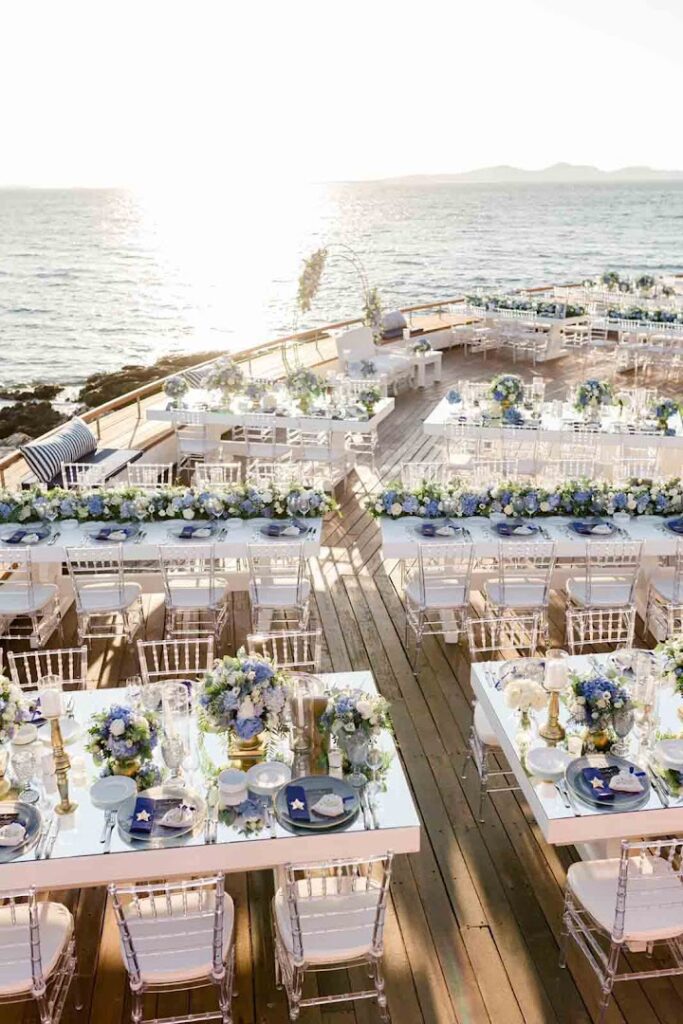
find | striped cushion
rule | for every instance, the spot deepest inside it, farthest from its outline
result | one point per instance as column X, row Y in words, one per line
column 194, row 377
column 45, row 458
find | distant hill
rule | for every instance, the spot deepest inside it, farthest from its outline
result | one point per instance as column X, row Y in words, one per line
column 562, row 172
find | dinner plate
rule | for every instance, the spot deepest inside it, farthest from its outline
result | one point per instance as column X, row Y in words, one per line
column 192, row 531
column 587, row 527
column 522, row 668
column 27, row 815
column 111, row 791
column 262, row 779
column 675, row 525
column 161, row 835
column 114, row 533
column 31, row 533
column 669, row 753
column 456, row 529
column 316, row 786
column 621, row 802
column 548, row 763
column 69, row 728
column 516, row 528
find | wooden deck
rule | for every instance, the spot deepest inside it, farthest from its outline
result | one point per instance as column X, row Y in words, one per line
column 472, row 935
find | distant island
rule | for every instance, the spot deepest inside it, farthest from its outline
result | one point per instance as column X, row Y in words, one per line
column 569, row 173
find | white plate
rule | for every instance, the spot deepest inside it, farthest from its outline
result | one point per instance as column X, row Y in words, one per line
column 548, row 762
column 265, row 779
column 669, row 753
column 25, row 734
column 70, row 730
column 111, row 791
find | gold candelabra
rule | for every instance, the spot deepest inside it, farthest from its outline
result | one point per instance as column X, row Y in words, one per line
column 552, row 730
column 62, row 765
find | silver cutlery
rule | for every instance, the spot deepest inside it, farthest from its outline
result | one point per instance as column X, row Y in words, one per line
column 373, row 812
column 51, row 837
column 364, row 808
column 110, row 829
column 565, row 798
column 140, row 537
column 270, row 821
column 53, row 539
column 70, row 708
column 658, row 786
column 562, row 785
column 105, row 826
column 211, row 824
column 42, row 835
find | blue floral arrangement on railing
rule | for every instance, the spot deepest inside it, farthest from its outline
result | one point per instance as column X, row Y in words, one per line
column 553, row 310
column 574, row 498
column 655, row 316
column 133, row 504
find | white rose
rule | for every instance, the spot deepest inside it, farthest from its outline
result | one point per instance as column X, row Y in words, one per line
column 246, row 709
column 631, row 503
column 364, row 708
column 396, row 509
column 545, row 507
column 188, row 513
column 508, row 510
column 117, row 727
column 267, row 497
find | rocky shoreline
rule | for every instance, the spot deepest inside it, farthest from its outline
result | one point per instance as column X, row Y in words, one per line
column 33, row 410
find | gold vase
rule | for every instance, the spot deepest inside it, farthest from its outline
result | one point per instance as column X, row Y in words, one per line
column 245, row 753
column 128, row 768
column 598, row 739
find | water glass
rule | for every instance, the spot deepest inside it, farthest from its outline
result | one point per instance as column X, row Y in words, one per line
column 150, row 695
column 24, row 766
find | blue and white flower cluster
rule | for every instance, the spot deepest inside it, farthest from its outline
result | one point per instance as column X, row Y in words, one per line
column 126, row 504
column 453, row 397
column 573, row 498
column 224, row 375
column 655, row 316
column 11, row 711
column 662, row 410
column 246, row 693
column 506, row 389
column 554, row 310
column 351, row 711
column 420, row 347
column 595, row 699
column 671, row 652
column 367, row 368
column 176, row 387
column 593, row 394
column 121, row 734
column 304, row 383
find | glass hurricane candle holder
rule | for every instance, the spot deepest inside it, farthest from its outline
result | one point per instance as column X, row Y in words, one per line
column 307, row 702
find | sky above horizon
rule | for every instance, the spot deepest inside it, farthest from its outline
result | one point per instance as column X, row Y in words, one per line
column 157, row 94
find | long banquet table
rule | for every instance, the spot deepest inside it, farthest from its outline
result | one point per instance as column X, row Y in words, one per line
column 78, row 859
column 558, row 823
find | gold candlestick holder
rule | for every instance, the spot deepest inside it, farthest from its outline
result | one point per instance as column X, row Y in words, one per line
column 552, row 730
column 62, row 765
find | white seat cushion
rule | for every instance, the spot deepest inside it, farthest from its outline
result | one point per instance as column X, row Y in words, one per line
column 56, row 927
column 438, row 596
column 99, row 598
column 483, row 727
column 516, row 595
column 175, row 948
column 662, row 582
column 15, row 599
column 603, row 594
column 650, row 914
column 198, row 597
column 341, row 928
column 279, row 595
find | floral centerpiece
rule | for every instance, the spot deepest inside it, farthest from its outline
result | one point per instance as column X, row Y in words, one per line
column 453, row 396
column 368, row 398
column 224, row 375
column 246, row 696
column 254, row 390
column 594, row 702
column 592, row 395
column 671, row 651
column 304, row 385
column 10, row 708
column 662, row 410
column 420, row 347
column 367, row 368
column 525, row 695
column 122, row 740
column 353, row 718
column 507, row 390
column 175, row 388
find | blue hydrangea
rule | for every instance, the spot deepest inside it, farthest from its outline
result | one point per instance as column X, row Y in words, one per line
column 247, row 728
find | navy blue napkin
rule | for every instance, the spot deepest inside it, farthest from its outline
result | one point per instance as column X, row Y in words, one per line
column 297, row 804
column 143, row 816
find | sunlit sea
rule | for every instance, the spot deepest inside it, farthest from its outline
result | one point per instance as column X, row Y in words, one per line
column 94, row 279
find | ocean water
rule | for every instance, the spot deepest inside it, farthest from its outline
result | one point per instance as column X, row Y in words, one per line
column 93, row 279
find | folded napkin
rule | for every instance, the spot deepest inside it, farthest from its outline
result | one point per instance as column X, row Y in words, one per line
column 676, row 525
column 291, row 531
column 274, row 529
column 601, row 528
column 297, row 804
column 446, row 531
column 30, row 538
column 626, row 781
column 112, row 533
column 12, row 834
column 523, row 531
column 178, row 817
column 143, row 816
column 428, row 529
column 195, row 531
column 601, row 781
column 598, row 780
column 330, row 805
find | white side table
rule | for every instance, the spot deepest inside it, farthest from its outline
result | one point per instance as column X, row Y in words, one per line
column 421, row 362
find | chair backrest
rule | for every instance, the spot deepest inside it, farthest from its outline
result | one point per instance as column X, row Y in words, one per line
column 83, row 474
column 644, row 468
column 526, row 563
column 280, row 565
column 650, row 876
column 444, row 573
column 69, row 663
column 185, row 658
column 184, row 569
column 16, row 574
column 301, row 651
column 415, row 474
column 303, row 438
column 349, row 388
column 356, row 343
column 264, row 474
column 102, row 567
column 20, row 943
column 611, row 564
column 217, row 473
column 489, row 472
column 678, row 574
column 193, row 912
column 150, row 475
column 502, row 634
column 355, row 894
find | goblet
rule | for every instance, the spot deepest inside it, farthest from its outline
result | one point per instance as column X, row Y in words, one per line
column 24, row 765
column 150, row 695
column 374, row 763
column 173, row 751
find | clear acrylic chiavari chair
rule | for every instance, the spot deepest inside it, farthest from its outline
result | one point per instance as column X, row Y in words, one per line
column 177, row 936
column 296, row 650
column 415, row 475
column 107, row 605
column 523, row 585
column 70, row 664
column 82, row 475
column 150, row 475
column 29, row 609
column 437, row 593
column 217, row 474
column 187, row 658
column 330, row 916
column 601, row 604
column 195, row 593
column 664, row 614
column 278, row 585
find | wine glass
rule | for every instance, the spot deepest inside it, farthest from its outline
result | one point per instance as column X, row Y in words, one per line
column 24, row 765
column 134, row 691
column 622, row 723
column 374, row 763
column 173, row 751
column 150, row 695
